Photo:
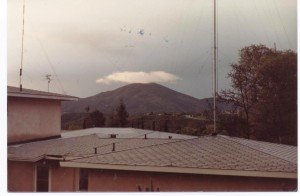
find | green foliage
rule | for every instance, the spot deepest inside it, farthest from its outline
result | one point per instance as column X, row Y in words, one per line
column 176, row 123
column 94, row 119
column 243, row 75
column 276, row 110
column 232, row 124
column 97, row 118
column 119, row 116
column 122, row 114
column 87, row 109
column 263, row 87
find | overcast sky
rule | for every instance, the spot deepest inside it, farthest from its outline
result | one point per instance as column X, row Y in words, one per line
column 91, row 46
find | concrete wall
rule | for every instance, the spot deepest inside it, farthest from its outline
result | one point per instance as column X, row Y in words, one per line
column 20, row 176
column 30, row 118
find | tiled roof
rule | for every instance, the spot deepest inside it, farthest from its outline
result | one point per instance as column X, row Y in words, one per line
column 285, row 152
column 77, row 146
column 15, row 92
column 207, row 152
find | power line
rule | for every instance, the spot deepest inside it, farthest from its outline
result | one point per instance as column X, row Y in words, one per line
column 51, row 66
column 279, row 15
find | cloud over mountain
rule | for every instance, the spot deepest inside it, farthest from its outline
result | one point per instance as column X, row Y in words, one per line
column 138, row 77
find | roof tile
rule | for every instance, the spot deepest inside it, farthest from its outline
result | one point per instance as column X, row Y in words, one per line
column 207, row 152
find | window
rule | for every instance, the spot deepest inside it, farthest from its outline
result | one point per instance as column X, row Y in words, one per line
column 83, row 179
column 42, row 178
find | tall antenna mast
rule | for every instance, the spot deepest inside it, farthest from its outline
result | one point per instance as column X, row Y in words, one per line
column 22, row 45
column 48, row 78
column 214, row 70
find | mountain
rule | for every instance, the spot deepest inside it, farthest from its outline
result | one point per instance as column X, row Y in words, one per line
column 139, row 98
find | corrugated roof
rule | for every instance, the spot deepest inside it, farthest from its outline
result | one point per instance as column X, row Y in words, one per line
column 15, row 92
column 207, row 152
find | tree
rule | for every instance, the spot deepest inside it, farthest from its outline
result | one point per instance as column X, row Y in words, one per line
column 166, row 125
column 264, row 89
column 87, row 109
column 113, row 119
column 233, row 124
column 243, row 92
column 97, row 118
column 122, row 114
column 277, row 98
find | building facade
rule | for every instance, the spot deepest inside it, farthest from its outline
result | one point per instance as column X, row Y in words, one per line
column 24, row 178
column 33, row 114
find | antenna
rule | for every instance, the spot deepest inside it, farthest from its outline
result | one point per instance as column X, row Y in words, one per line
column 48, row 77
column 214, row 69
column 22, row 45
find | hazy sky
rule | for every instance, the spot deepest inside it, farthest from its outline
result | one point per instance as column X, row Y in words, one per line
column 91, row 46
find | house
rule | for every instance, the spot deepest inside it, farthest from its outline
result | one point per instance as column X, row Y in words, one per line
column 33, row 114
column 40, row 160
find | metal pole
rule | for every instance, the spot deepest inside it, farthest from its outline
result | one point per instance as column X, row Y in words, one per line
column 48, row 78
column 214, row 69
column 22, row 45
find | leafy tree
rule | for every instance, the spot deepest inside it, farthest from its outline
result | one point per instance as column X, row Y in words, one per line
column 264, row 89
column 233, row 124
column 166, row 125
column 113, row 119
column 153, row 125
column 243, row 92
column 97, row 118
column 277, row 97
column 122, row 114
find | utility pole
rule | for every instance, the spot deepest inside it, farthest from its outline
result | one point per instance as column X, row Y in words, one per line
column 48, row 78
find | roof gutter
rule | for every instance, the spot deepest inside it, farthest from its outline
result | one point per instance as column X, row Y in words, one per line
column 42, row 96
column 181, row 170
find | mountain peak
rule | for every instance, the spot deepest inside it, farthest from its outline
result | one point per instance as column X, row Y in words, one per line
column 139, row 98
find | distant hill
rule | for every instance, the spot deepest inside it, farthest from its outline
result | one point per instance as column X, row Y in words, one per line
column 141, row 98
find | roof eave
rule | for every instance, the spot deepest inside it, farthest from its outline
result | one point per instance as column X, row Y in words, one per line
column 221, row 172
column 22, row 159
column 42, row 96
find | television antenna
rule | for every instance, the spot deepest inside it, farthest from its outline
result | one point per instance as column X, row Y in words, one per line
column 48, row 78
